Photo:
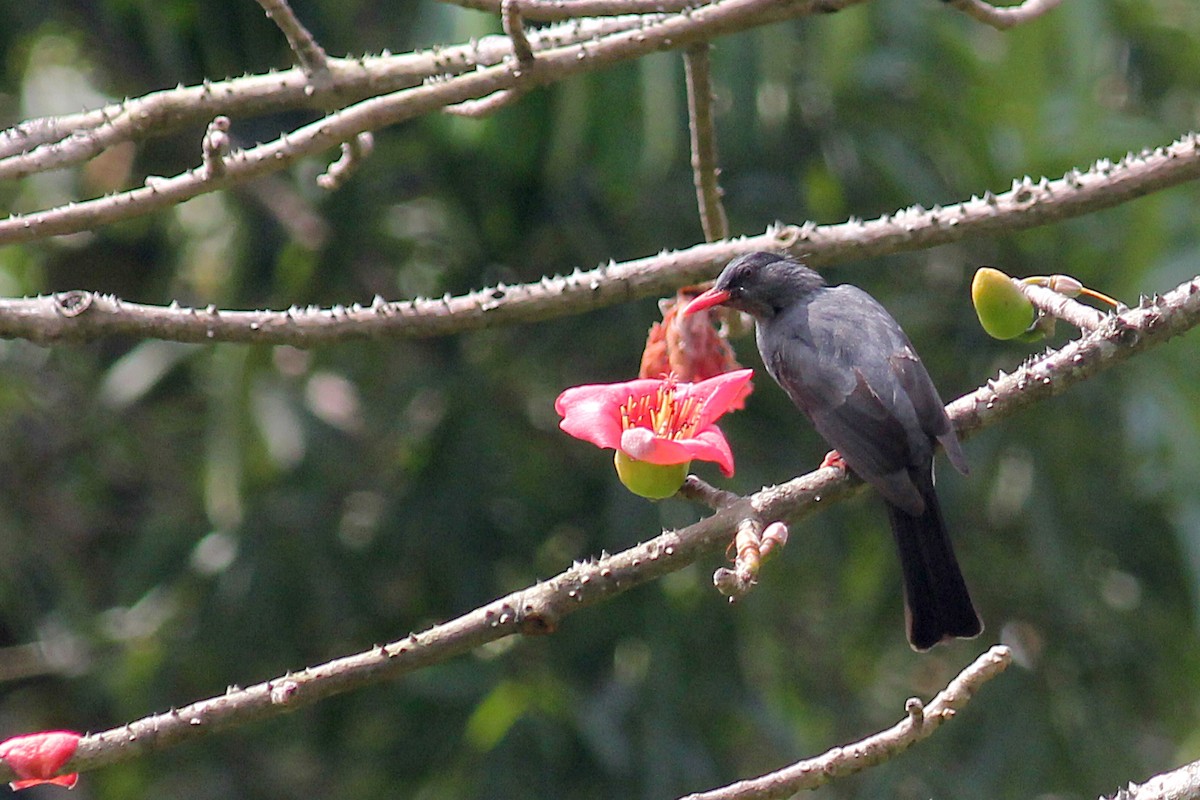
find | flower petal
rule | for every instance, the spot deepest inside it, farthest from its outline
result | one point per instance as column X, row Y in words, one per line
column 68, row 781
column 710, row 445
column 37, row 757
column 642, row 444
column 593, row 412
column 721, row 393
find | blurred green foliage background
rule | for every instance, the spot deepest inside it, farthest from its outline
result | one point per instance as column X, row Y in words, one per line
column 175, row 519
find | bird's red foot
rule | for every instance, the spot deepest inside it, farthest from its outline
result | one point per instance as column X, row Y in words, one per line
column 833, row 459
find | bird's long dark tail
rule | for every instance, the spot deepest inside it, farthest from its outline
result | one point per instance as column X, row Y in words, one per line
column 937, row 605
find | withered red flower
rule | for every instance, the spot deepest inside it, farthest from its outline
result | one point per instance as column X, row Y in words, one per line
column 690, row 348
column 37, row 757
column 657, row 421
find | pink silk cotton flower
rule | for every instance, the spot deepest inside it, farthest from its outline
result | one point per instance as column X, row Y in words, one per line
column 37, row 758
column 656, row 421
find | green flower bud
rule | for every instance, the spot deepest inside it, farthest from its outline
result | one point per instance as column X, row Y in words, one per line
column 654, row 481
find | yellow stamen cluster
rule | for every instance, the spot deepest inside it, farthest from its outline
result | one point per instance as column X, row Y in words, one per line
column 663, row 413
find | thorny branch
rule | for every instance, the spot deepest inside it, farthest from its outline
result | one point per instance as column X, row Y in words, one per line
column 77, row 316
column 558, row 10
column 354, row 152
column 1178, row 784
column 1004, row 17
column 369, row 93
column 439, row 90
column 541, row 608
column 310, row 55
column 315, row 62
column 1062, row 307
column 920, row 723
column 46, row 143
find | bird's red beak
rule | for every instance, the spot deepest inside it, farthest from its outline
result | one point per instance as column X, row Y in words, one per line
column 713, row 297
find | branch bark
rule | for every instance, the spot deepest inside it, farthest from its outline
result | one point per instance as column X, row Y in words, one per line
column 1178, row 784
column 705, row 170
column 558, row 10
column 1004, row 17
column 1062, row 307
column 310, row 55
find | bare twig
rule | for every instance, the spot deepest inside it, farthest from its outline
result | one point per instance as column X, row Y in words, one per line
column 540, row 608
column 514, row 28
column 737, row 582
column 696, row 489
column 920, row 722
column 1063, row 307
column 1004, row 17
column 705, row 169
column 314, row 62
column 215, row 147
column 354, row 152
column 474, row 109
column 1028, row 204
column 310, row 55
column 559, row 10
column 49, row 143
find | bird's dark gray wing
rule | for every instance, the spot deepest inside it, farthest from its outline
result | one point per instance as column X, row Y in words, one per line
column 927, row 403
column 847, row 364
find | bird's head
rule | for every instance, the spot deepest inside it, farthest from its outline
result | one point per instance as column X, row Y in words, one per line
column 760, row 284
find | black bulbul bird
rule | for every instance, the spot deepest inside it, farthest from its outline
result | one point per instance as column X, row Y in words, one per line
column 849, row 367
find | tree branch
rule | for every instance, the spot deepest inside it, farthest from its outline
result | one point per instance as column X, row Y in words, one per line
column 1179, row 784
column 705, row 171
column 920, row 723
column 214, row 148
column 541, row 608
column 79, row 316
column 559, row 10
column 475, row 109
column 354, row 152
column 514, row 29
column 1004, row 17
column 310, row 55
column 1062, row 307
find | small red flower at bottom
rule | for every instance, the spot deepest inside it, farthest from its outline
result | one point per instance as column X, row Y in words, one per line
column 37, row 758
